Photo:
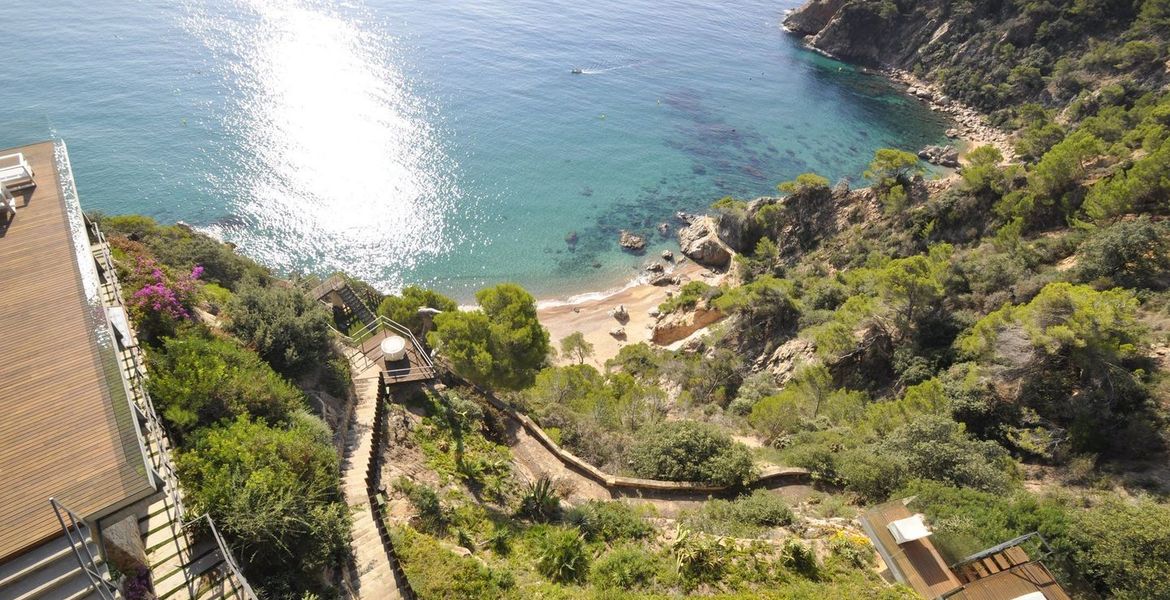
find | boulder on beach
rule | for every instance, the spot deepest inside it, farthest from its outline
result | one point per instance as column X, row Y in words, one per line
column 620, row 313
column 946, row 156
column 664, row 280
column 632, row 242
column 618, row 332
column 655, row 267
column 700, row 242
column 680, row 325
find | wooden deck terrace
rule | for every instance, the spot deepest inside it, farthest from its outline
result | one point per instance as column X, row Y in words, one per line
column 415, row 366
column 67, row 430
column 1013, row 582
column 916, row 563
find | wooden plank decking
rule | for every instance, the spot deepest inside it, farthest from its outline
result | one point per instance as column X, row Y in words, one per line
column 1012, row 583
column 414, row 367
column 916, row 563
column 65, row 424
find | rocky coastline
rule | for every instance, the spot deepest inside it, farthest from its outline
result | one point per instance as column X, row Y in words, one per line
column 828, row 27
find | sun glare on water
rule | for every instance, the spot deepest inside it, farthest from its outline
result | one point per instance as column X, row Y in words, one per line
column 341, row 167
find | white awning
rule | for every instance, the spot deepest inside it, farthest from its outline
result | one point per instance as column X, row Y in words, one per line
column 909, row 529
column 1032, row 596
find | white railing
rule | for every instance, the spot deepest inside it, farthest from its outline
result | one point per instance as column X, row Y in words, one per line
column 381, row 322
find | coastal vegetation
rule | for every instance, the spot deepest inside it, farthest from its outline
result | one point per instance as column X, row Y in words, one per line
column 231, row 351
column 992, row 342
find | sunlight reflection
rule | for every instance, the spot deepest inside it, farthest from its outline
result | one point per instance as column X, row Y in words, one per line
column 342, row 168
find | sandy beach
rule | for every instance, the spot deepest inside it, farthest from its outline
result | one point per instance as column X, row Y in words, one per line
column 592, row 316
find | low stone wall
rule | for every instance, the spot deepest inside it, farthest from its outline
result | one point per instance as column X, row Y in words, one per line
column 771, row 476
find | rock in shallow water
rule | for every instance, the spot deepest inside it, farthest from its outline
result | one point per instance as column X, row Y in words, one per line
column 632, row 242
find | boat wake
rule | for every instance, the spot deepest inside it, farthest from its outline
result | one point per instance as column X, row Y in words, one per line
column 600, row 70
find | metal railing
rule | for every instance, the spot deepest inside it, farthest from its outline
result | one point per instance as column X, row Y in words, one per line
column 78, row 533
column 134, row 369
column 1046, row 550
column 234, row 578
column 383, row 323
column 135, row 373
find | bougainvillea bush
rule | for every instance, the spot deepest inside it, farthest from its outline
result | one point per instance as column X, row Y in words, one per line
column 160, row 301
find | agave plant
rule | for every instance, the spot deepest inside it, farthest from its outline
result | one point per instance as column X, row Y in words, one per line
column 540, row 501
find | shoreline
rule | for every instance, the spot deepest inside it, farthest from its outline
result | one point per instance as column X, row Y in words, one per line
column 971, row 126
column 589, row 312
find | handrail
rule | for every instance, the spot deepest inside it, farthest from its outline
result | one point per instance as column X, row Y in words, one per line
column 238, row 582
column 105, row 588
column 1012, row 543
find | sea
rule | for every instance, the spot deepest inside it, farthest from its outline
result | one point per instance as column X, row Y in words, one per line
column 448, row 144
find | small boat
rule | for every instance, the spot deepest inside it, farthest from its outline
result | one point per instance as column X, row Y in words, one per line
column 577, row 71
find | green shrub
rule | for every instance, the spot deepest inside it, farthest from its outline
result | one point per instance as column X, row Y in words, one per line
column 800, row 558
column 273, row 492
column 403, row 308
column 561, row 555
column 625, row 568
column 1132, row 254
column 503, row 345
column 288, row 330
column 701, row 558
column 540, row 501
column 434, row 572
column 690, row 296
column 745, row 516
column 1123, row 548
column 855, row 550
column 690, row 451
column 609, row 521
column 431, row 513
column 197, row 381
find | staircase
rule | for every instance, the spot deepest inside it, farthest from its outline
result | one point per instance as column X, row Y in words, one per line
column 50, row 572
column 375, row 578
column 356, row 306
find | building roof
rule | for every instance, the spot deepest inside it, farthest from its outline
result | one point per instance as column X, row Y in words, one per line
column 66, row 427
column 916, row 563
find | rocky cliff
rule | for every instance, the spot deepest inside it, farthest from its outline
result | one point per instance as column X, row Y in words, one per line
column 995, row 54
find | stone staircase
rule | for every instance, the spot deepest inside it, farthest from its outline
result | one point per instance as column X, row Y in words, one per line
column 375, row 577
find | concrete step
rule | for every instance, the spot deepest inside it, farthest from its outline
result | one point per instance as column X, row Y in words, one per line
column 49, row 571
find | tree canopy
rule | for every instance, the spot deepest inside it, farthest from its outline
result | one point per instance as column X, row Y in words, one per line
column 502, row 345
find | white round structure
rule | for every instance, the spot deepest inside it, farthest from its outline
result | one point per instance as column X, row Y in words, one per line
column 394, row 348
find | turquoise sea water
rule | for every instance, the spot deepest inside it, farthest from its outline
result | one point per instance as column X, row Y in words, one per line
column 432, row 141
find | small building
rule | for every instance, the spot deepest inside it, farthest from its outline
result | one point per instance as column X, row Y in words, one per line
column 87, row 485
column 1003, row 572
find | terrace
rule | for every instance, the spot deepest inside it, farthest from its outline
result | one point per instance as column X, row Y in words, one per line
column 86, row 478
column 376, row 344
column 1003, row 572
